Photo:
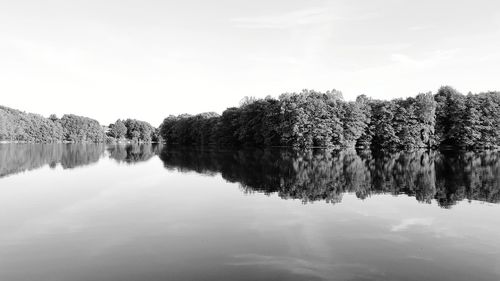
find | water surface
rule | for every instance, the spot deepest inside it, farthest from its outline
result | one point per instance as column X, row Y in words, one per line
column 143, row 212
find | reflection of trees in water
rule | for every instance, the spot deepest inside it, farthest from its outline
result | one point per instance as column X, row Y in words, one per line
column 308, row 175
column 132, row 153
column 74, row 155
column 321, row 175
column 468, row 175
column 16, row 158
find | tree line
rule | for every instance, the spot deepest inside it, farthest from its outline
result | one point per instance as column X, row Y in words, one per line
column 317, row 119
column 19, row 126
column 305, row 119
column 16, row 125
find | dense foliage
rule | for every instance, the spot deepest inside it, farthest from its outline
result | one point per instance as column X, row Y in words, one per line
column 468, row 121
column 16, row 125
column 133, row 130
column 19, row 126
column 305, row 119
column 81, row 129
column 315, row 119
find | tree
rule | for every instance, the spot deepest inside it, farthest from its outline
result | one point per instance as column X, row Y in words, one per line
column 365, row 105
column 488, row 107
column 405, row 124
column 3, row 126
column 470, row 127
column 311, row 119
column 135, row 135
column 355, row 121
column 156, row 137
column 81, row 129
column 118, row 130
column 138, row 131
column 384, row 133
column 449, row 112
column 227, row 128
column 53, row 117
column 426, row 116
column 167, row 127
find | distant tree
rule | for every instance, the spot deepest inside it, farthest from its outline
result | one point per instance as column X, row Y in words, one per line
column 156, row 137
column 135, row 135
column 139, row 131
column 365, row 105
column 449, row 113
column 118, row 129
column 470, row 125
column 166, row 129
column 488, row 107
column 3, row 126
column 271, row 122
column 227, row 131
column 311, row 119
column 384, row 134
column 355, row 121
column 253, row 124
column 405, row 124
column 425, row 106
column 53, row 117
column 81, row 129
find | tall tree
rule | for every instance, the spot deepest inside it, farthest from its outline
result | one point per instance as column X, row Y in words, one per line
column 426, row 115
column 470, row 125
column 355, row 121
column 449, row 113
column 384, row 131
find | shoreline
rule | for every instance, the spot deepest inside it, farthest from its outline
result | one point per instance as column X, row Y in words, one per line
column 335, row 148
column 80, row 142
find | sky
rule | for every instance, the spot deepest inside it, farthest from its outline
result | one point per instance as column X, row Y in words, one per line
column 111, row 59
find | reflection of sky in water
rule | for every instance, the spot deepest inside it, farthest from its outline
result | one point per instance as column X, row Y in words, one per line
column 141, row 222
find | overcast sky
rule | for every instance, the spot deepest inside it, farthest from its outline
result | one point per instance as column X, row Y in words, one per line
column 148, row 59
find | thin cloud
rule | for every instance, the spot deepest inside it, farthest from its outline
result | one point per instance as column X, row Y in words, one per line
column 407, row 223
column 317, row 269
column 429, row 223
column 419, row 27
column 392, row 46
column 434, row 59
column 305, row 17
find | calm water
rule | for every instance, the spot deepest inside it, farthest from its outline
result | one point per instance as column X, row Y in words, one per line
column 94, row 212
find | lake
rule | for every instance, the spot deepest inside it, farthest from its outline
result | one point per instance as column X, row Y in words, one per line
column 149, row 212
